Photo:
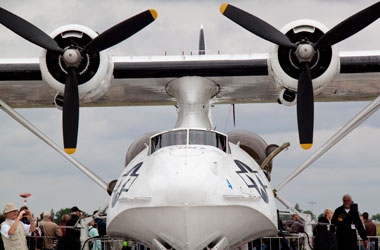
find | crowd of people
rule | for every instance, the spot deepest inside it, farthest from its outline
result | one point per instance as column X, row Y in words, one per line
column 335, row 230
column 21, row 231
column 338, row 230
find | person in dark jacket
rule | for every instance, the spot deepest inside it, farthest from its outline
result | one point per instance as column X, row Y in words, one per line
column 347, row 221
column 325, row 232
column 71, row 240
column 370, row 228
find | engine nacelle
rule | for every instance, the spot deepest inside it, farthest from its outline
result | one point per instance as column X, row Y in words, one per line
column 255, row 146
column 284, row 67
column 94, row 72
column 137, row 146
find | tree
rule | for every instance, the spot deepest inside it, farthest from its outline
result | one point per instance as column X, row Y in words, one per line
column 297, row 207
column 376, row 217
column 59, row 214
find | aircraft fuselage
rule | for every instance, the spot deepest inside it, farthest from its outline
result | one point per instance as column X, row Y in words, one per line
column 190, row 188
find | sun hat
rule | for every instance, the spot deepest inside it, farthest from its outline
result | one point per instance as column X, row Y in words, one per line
column 9, row 208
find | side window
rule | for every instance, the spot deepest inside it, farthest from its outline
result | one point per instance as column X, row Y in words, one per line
column 155, row 143
column 221, row 142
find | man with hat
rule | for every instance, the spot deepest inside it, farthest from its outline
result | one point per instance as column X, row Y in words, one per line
column 72, row 238
column 13, row 231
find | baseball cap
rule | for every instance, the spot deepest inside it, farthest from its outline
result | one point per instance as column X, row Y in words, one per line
column 75, row 209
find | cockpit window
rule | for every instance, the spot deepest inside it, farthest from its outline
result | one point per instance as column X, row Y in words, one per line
column 195, row 137
column 177, row 137
column 210, row 138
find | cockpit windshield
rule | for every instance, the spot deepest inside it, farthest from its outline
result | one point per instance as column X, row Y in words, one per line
column 188, row 137
column 211, row 138
column 175, row 137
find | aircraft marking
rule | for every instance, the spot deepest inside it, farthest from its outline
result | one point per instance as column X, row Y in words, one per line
column 126, row 182
column 248, row 175
column 229, row 184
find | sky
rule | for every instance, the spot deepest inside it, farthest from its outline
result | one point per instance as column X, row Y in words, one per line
column 28, row 165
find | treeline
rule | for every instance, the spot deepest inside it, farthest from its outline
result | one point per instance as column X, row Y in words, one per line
column 56, row 216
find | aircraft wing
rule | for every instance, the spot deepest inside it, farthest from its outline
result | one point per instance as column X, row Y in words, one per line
column 142, row 80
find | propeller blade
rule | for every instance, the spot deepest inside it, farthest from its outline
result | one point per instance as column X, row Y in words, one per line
column 28, row 31
column 70, row 112
column 350, row 26
column 120, row 32
column 256, row 26
column 305, row 107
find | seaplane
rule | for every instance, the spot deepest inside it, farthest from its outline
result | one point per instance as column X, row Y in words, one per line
column 192, row 187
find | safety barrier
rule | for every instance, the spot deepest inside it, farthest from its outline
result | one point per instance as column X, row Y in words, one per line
column 294, row 241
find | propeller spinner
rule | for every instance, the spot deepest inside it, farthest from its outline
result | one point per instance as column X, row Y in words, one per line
column 305, row 52
column 72, row 57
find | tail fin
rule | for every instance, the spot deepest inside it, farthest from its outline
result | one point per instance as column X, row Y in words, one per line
column 202, row 47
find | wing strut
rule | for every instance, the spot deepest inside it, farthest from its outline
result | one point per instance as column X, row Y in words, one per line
column 17, row 117
column 369, row 110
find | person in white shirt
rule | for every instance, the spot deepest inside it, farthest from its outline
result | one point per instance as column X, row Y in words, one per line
column 13, row 231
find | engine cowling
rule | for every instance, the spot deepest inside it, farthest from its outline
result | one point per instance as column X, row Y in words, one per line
column 137, row 146
column 284, row 66
column 95, row 70
column 255, row 146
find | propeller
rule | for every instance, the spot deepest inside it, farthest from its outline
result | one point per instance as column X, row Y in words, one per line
column 304, row 51
column 73, row 57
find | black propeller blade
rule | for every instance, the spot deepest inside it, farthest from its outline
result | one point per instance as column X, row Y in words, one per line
column 72, row 58
column 120, row 32
column 305, row 108
column 28, row 31
column 305, row 53
column 350, row 26
column 256, row 26
column 70, row 112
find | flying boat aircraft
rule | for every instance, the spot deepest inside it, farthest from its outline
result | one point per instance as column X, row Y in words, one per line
column 192, row 187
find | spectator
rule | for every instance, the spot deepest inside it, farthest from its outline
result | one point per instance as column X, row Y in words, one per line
column 93, row 232
column 295, row 226
column 72, row 238
column 13, row 231
column 50, row 231
column 347, row 221
column 101, row 225
column 31, row 243
column 64, row 219
column 2, row 219
column 370, row 228
column 325, row 232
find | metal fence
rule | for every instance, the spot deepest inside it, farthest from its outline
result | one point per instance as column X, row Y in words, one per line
column 300, row 242
column 295, row 242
